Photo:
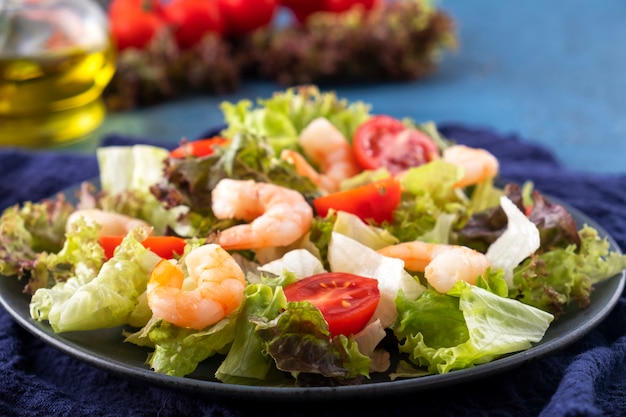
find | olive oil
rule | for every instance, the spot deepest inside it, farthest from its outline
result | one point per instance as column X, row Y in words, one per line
column 55, row 97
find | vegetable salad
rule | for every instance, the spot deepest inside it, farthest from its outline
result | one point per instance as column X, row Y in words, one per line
column 384, row 268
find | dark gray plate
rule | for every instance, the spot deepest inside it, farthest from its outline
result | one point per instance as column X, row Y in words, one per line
column 105, row 349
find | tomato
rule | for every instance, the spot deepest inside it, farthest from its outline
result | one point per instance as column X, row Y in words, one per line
column 198, row 148
column 193, row 19
column 383, row 141
column 134, row 22
column 346, row 301
column 375, row 201
column 302, row 9
column 339, row 6
column 164, row 246
column 245, row 16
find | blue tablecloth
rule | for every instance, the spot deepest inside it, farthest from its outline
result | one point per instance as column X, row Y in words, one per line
column 587, row 378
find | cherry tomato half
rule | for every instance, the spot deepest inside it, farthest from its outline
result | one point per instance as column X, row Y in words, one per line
column 346, row 301
column 375, row 201
column 198, row 148
column 164, row 246
column 245, row 16
column 193, row 19
column 383, row 141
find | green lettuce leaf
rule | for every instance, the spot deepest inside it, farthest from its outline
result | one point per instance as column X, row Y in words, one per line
column 178, row 351
column 466, row 327
column 247, row 362
column 85, row 302
column 554, row 279
column 284, row 115
column 27, row 233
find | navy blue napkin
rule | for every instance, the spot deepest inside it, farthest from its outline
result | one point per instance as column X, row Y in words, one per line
column 587, row 378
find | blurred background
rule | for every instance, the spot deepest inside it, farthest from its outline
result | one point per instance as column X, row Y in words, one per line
column 549, row 72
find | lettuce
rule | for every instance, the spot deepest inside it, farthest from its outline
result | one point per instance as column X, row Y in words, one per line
column 247, row 362
column 27, row 233
column 126, row 176
column 178, row 351
column 520, row 240
column 553, row 279
column 466, row 327
column 283, row 116
column 88, row 302
column 299, row 342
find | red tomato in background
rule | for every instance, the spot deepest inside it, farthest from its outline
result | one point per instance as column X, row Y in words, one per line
column 376, row 201
column 193, row 19
column 164, row 246
column 302, row 9
column 346, row 301
column 245, row 16
column 134, row 22
column 339, row 6
column 383, row 141
column 198, row 148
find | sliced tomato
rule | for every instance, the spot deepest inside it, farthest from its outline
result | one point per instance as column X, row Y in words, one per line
column 164, row 246
column 245, row 16
column 193, row 19
column 346, row 301
column 198, row 148
column 385, row 142
column 340, row 6
column 375, row 201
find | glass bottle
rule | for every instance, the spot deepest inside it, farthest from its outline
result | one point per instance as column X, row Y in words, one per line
column 56, row 58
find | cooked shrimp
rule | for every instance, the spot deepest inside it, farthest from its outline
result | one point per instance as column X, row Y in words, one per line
column 219, row 287
column 278, row 216
column 478, row 164
column 443, row 265
column 112, row 224
column 328, row 148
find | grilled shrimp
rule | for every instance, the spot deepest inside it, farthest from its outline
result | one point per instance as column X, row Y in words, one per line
column 328, row 148
column 443, row 265
column 478, row 164
column 218, row 291
column 278, row 216
column 112, row 224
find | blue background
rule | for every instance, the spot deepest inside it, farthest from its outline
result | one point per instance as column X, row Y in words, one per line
column 552, row 72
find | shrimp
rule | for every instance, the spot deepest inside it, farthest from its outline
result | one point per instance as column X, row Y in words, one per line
column 443, row 265
column 278, row 216
column 112, row 224
column 219, row 288
column 478, row 164
column 328, row 148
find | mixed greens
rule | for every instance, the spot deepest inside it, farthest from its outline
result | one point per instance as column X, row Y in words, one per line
column 540, row 261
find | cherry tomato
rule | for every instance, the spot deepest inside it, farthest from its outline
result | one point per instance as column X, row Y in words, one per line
column 164, row 246
column 245, row 16
column 375, row 201
column 339, row 6
column 198, row 148
column 346, row 301
column 134, row 22
column 193, row 19
column 383, row 141
column 302, row 9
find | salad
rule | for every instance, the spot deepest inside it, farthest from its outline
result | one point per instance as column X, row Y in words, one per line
column 308, row 244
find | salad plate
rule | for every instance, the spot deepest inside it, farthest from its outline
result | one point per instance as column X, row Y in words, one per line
column 106, row 350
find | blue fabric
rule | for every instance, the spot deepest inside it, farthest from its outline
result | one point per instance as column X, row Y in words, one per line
column 586, row 378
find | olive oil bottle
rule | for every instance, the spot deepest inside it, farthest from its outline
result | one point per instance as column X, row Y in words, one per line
column 56, row 58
